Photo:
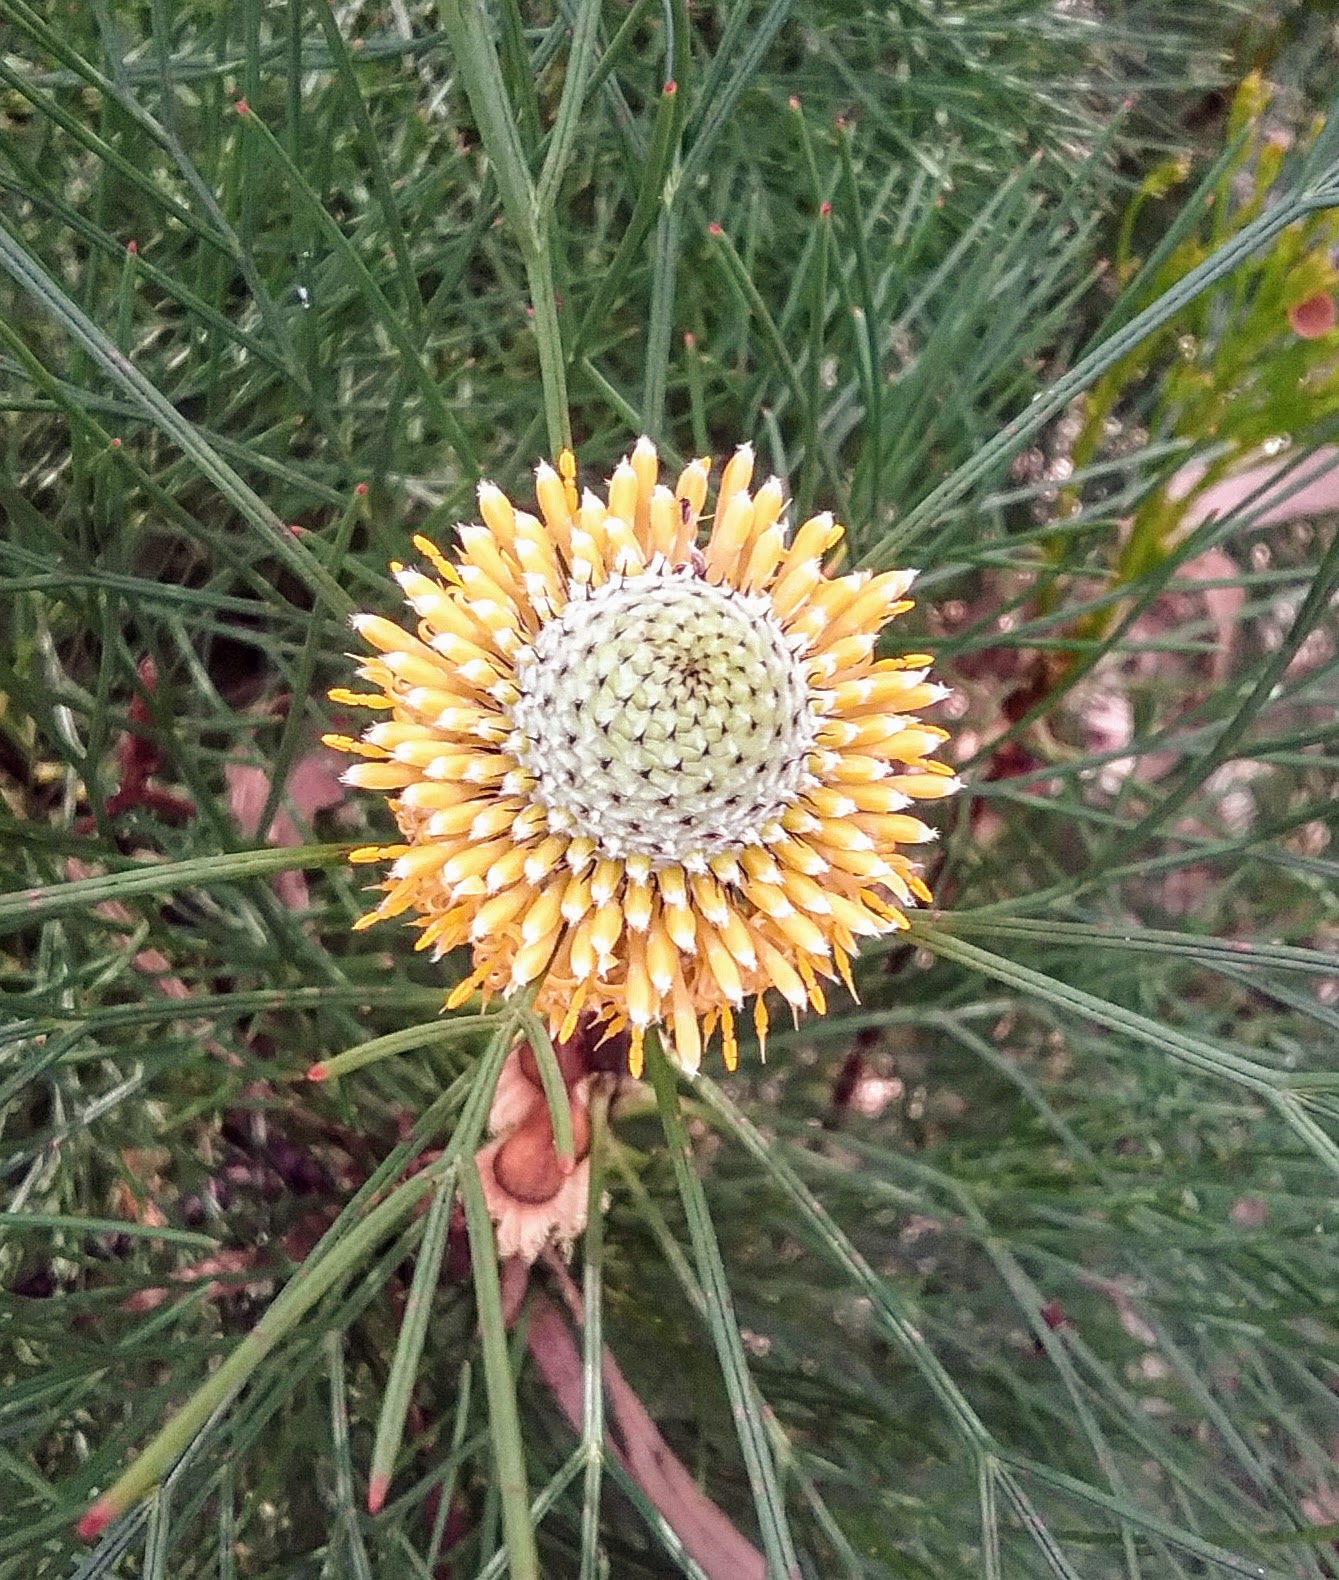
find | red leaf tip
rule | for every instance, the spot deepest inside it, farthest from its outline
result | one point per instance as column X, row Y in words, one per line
column 1313, row 318
column 377, row 1488
column 99, row 1516
column 318, row 1072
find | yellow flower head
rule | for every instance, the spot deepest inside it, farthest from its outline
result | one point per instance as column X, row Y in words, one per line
column 656, row 779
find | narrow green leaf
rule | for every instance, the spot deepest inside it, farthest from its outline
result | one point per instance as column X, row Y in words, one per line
column 555, row 1088
column 445, row 1030
column 1141, row 940
column 503, row 1422
column 468, row 27
column 867, row 321
column 158, row 1537
column 381, row 181
column 782, row 1561
column 297, row 726
column 346, row 1510
column 1198, row 1053
column 650, row 195
column 1177, row 1536
column 447, row 1488
column 571, row 107
column 895, row 1315
column 990, row 1520
column 544, row 1500
column 51, row 109
column 660, row 324
column 317, row 1275
column 1187, row 782
column 658, row 1525
column 26, row 907
column 398, row 1392
column 23, row 1222
column 719, row 103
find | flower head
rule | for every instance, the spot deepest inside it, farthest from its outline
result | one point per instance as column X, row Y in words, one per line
column 653, row 778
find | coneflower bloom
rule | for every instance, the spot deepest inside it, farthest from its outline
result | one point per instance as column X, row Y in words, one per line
column 655, row 779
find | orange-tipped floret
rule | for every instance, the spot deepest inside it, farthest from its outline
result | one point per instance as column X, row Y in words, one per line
column 654, row 777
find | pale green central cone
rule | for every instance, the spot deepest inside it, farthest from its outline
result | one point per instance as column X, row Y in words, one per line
column 663, row 716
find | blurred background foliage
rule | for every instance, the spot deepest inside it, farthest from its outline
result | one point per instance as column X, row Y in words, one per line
column 1033, row 1249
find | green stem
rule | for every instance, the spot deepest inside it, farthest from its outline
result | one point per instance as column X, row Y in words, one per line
column 504, row 1423
column 549, row 340
column 592, row 1344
